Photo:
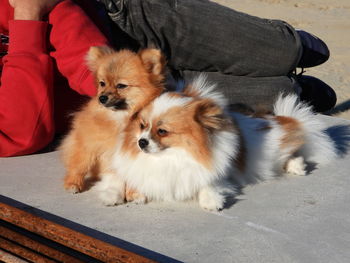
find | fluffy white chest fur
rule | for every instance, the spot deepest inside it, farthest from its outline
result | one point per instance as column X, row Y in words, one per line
column 173, row 174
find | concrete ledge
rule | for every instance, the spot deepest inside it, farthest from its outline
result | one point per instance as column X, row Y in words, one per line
column 299, row 219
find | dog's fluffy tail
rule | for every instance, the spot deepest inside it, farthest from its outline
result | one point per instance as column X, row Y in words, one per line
column 200, row 87
column 319, row 147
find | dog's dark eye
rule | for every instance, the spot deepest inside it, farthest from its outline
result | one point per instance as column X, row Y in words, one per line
column 142, row 126
column 162, row 132
column 121, row 86
column 102, row 83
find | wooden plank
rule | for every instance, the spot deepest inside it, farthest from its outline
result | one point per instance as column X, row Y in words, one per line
column 68, row 237
column 9, row 258
column 23, row 252
column 36, row 246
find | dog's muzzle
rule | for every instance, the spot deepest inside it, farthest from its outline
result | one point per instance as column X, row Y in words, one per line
column 103, row 99
column 117, row 104
column 143, row 143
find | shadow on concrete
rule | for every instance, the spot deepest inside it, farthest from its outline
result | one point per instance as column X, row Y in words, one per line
column 89, row 232
column 342, row 107
column 340, row 134
column 310, row 167
column 231, row 201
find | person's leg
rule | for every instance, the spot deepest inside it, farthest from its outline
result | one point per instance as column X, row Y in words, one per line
column 251, row 58
column 200, row 35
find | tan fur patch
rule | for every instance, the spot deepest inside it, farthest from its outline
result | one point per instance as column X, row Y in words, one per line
column 184, row 132
column 190, row 91
column 294, row 135
column 130, row 138
column 209, row 114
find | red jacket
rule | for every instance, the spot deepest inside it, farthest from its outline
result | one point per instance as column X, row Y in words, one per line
column 34, row 97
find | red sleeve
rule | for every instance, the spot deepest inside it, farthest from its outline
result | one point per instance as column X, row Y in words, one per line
column 72, row 34
column 26, row 122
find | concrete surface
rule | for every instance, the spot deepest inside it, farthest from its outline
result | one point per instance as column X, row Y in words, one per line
column 298, row 219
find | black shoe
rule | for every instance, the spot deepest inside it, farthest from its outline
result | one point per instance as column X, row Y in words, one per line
column 315, row 51
column 316, row 93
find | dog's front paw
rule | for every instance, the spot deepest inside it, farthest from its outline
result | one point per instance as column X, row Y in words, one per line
column 131, row 195
column 73, row 185
column 73, row 189
column 139, row 200
column 211, row 200
column 111, row 198
column 110, row 190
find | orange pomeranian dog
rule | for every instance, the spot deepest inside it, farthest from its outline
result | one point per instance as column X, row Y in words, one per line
column 126, row 82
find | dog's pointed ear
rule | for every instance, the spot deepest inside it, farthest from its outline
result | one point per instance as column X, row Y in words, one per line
column 95, row 53
column 153, row 60
column 209, row 114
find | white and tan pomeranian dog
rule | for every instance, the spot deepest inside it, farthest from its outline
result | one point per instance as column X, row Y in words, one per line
column 125, row 82
column 186, row 146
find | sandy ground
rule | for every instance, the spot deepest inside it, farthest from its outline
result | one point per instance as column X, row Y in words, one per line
column 329, row 20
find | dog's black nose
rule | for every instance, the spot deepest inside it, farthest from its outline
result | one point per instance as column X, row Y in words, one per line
column 143, row 143
column 103, row 99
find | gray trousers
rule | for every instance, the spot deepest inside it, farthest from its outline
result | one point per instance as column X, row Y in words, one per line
column 249, row 57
